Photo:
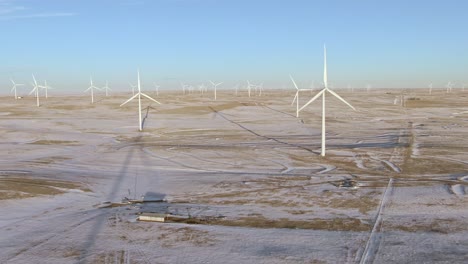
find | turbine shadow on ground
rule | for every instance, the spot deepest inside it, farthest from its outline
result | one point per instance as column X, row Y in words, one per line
column 146, row 116
column 258, row 135
column 90, row 240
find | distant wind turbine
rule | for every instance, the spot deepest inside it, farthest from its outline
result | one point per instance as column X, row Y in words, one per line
column 133, row 88
column 296, row 97
column 236, row 88
column 183, row 87
column 139, row 94
column 46, row 87
column 106, row 88
column 35, row 90
column 91, row 88
column 15, row 85
column 322, row 93
column 157, row 89
column 430, row 88
column 449, row 86
column 215, row 85
column 260, row 88
column 249, row 86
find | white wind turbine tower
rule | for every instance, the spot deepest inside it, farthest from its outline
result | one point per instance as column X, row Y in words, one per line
column 215, row 85
column 46, row 88
column 133, row 88
column 35, row 90
column 183, row 87
column 248, row 87
column 91, row 88
column 15, row 85
column 260, row 88
column 296, row 97
column 157, row 89
column 106, row 88
column 201, row 88
column 449, row 86
column 139, row 94
column 430, row 88
column 322, row 93
column 236, row 88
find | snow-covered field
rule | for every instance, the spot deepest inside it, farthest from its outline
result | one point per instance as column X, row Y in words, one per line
column 392, row 188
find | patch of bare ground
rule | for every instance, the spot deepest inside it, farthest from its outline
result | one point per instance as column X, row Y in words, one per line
column 19, row 187
column 293, row 193
column 50, row 160
column 67, row 107
column 421, row 166
column 116, row 256
column 171, row 237
column 259, row 221
column 426, row 102
column 55, row 142
column 437, row 225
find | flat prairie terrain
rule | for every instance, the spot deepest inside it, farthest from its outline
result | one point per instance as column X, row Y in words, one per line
column 241, row 178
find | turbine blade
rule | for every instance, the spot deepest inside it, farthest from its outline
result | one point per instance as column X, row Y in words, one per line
column 131, row 98
column 295, row 85
column 34, row 78
column 313, row 99
column 150, row 98
column 295, row 97
column 89, row 88
column 33, row 90
column 341, row 99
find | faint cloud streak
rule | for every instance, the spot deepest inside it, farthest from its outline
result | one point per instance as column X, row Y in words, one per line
column 10, row 11
column 39, row 15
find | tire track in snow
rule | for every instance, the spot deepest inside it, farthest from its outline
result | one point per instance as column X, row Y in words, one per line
column 375, row 237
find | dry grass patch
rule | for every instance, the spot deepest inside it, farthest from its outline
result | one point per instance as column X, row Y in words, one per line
column 171, row 237
column 17, row 188
column 56, row 142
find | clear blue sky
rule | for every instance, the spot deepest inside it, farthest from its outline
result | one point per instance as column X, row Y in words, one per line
column 385, row 43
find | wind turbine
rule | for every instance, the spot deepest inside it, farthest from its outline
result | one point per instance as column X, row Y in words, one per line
column 91, row 87
column 183, row 87
column 106, row 88
column 36, row 90
column 430, row 88
column 133, row 88
column 296, row 97
column 139, row 94
column 201, row 88
column 249, row 86
column 215, row 85
column 157, row 89
column 14, row 87
column 236, row 88
column 260, row 88
column 449, row 86
column 46, row 87
column 322, row 93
